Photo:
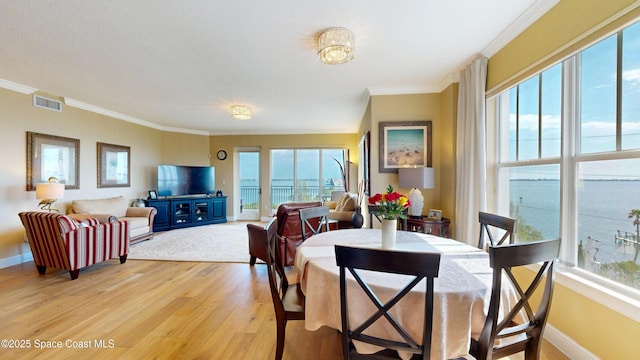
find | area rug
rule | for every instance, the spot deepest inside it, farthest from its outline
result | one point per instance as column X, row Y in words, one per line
column 215, row 243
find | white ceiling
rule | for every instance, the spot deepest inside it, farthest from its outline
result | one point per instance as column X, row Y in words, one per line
column 179, row 65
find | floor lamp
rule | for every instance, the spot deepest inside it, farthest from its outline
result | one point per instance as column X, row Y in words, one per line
column 416, row 179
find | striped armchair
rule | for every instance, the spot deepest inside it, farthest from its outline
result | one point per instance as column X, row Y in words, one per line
column 59, row 242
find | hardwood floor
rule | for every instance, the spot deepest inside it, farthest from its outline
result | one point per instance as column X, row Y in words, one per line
column 152, row 310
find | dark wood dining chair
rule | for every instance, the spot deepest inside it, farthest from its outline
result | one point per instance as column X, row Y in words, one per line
column 313, row 219
column 419, row 265
column 489, row 225
column 288, row 300
column 517, row 337
column 401, row 222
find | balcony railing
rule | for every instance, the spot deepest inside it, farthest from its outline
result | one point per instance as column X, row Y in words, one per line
column 250, row 195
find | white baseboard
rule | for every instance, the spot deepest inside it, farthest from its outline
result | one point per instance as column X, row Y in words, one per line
column 15, row 260
column 567, row 345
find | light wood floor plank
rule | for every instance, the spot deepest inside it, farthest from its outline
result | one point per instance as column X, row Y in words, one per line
column 155, row 310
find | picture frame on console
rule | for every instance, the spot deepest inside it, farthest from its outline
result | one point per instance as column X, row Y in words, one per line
column 404, row 144
column 114, row 165
column 153, row 195
column 435, row 214
column 51, row 156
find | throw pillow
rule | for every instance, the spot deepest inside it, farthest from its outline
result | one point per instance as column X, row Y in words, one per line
column 346, row 203
column 349, row 204
column 331, row 204
column 340, row 203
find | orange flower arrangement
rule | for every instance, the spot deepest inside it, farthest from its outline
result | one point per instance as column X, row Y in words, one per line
column 390, row 205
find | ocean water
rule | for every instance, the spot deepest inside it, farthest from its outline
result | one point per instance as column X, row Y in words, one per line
column 603, row 208
column 399, row 138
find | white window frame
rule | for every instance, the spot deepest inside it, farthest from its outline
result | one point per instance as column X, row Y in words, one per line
column 618, row 297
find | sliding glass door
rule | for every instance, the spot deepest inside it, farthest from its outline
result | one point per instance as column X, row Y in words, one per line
column 302, row 175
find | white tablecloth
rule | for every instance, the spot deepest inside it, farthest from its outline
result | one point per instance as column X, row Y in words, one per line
column 462, row 289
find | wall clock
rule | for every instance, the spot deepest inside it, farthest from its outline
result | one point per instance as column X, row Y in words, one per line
column 222, row 154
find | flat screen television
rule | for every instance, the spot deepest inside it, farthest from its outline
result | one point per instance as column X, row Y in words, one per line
column 175, row 180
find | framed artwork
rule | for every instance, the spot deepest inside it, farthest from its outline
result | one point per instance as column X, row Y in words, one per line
column 435, row 214
column 52, row 156
column 403, row 144
column 365, row 161
column 114, row 167
column 153, row 195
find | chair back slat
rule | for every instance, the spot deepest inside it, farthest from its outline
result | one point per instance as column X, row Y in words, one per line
column 490, row 224
column 313, row 219
column 278, row 282
column 419, row 265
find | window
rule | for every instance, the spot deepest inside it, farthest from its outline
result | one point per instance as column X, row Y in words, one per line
column 301, row 175
column 569, row 157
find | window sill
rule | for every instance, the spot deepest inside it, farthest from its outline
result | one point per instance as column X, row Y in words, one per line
column 621, row 299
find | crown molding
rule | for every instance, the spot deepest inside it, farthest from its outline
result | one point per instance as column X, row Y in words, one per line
column 10, row 85
column 102, row 111
column 402, row 91
column 27, row 90
column 448, row 80
column 533, row 13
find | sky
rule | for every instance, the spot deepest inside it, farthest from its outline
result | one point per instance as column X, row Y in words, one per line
column 597, row 110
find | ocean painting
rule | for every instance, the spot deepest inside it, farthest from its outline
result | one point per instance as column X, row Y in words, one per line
column 404, row 146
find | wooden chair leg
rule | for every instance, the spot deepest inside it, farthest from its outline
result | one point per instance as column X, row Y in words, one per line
column 252, row 261
column 74, row 273
column 532, row 352
column 281, row 325
column 41, row 269
column 123, row 259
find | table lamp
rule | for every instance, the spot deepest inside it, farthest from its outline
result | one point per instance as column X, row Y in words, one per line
column 48, row 193
column 416, row 178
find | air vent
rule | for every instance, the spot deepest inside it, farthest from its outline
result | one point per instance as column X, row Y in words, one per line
column 45, row 103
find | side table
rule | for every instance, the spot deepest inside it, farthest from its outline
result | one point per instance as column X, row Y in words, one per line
column 429, row 226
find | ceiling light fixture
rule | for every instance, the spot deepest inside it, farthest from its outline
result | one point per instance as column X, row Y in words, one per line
column 240, row 112
column 336, row 45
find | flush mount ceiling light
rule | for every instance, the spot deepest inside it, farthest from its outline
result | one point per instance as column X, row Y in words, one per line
column 336, row 46
column 240, row 112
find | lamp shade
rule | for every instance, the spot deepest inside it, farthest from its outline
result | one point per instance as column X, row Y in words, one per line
column 51, row 191
column 419, row 178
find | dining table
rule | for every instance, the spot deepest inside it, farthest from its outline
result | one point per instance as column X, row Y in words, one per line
column 461, row 295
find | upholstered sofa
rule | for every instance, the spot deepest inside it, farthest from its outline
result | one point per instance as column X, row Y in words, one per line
column 57, row 241
column 341, row 208
column 139, row 219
